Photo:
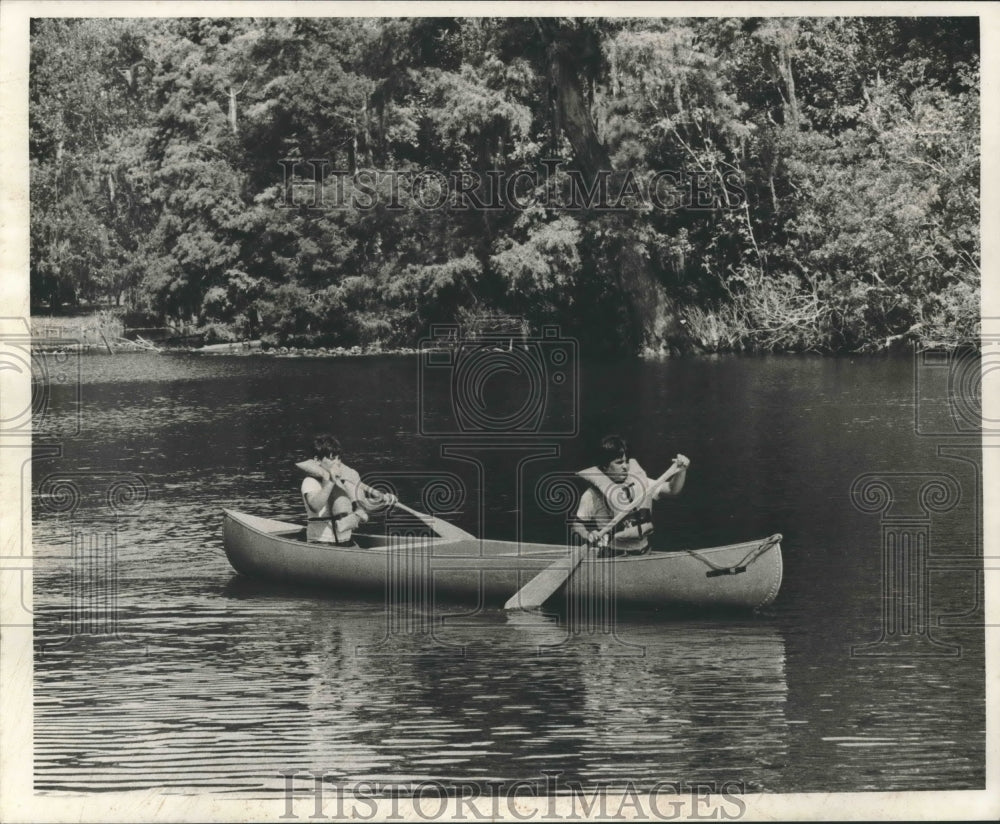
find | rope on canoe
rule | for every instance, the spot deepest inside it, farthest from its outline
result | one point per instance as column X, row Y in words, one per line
column 716, row 570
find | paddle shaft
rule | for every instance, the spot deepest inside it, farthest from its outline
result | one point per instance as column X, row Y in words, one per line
column 442, row 528
column 621, row 516
column 427, row 519
column 540, row 588
column 423, row 516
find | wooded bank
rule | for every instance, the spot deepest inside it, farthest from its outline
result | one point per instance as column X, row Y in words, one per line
column 818, row 178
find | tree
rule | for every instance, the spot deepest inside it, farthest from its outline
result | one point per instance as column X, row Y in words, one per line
column 85, row 94
column 816, row 178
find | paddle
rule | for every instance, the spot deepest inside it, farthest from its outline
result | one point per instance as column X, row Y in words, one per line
column 442, row 528
column 540, row 588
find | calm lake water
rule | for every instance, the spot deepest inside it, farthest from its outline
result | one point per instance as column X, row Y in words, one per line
column 217, row 684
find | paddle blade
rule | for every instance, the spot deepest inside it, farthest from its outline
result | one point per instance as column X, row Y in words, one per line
column 442, row 528
column 547, row 582
column 313, row 468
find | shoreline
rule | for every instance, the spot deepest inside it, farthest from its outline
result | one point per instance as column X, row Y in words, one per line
column 86, row 335
column 55, row 347
column 294, row 352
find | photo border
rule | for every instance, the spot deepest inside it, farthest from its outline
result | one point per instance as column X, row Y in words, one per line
column 18, row 802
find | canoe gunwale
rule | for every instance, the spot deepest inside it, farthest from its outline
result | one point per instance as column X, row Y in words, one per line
column 543, row 551
column 488, row 553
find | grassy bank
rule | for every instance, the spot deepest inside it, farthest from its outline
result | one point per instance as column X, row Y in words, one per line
column 100, row 331
column 722, row 331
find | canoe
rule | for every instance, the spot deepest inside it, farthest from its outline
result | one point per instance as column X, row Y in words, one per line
column 234, row 347
column 445, row 563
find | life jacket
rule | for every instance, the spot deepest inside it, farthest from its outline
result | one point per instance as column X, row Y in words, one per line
column 335, row 521
column 632, row 496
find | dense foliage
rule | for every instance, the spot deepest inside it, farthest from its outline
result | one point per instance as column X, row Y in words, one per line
column 817, row 179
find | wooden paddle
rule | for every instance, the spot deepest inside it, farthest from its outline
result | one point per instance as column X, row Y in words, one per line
column 442, row 528
column 544, row 585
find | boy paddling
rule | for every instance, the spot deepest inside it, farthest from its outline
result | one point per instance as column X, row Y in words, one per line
column 619, row 484
column 335, row 499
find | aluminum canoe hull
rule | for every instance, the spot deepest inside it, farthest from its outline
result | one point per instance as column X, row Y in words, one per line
column 486, row 572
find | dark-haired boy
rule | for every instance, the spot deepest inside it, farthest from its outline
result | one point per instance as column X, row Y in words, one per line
column 619, row 484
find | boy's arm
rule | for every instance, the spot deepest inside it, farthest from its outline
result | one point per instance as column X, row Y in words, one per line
column 362, row 494
column 317, row 493
column 584, row 522
column 676, row 483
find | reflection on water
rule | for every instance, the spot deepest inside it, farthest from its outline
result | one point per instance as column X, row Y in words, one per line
column 308, row 685
column 220, row 684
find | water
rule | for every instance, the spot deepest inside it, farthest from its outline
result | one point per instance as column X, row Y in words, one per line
column 218, row 684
